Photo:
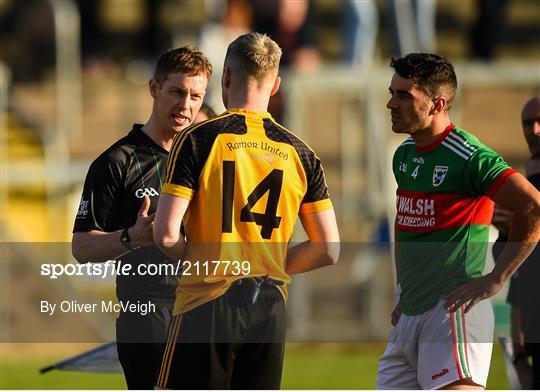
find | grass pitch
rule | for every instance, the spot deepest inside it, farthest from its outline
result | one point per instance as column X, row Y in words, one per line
column 307, row 366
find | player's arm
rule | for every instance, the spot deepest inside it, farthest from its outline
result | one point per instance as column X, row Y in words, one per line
column 170, row 212
column 98, row 246
column 321, row 249
column 183, row 171
column 501, row 220
column 518, row 196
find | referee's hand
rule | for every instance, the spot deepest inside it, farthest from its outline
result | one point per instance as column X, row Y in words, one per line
column 142, row 233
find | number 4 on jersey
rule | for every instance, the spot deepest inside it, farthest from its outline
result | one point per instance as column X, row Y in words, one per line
column 268, row 221
column 415, row 172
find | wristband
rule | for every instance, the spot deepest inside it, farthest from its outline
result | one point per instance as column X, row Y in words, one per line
column 125, row 239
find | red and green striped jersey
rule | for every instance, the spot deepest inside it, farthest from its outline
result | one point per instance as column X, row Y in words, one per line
column 443, row 214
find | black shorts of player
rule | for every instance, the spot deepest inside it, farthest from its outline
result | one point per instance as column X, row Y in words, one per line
column 228, row 343
column 141, row 342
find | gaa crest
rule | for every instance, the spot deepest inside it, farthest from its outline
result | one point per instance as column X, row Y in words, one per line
column 439, row 173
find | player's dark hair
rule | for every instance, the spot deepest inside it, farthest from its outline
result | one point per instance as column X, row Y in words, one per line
column 206, row 109
column 432, row 73
column 186, row 59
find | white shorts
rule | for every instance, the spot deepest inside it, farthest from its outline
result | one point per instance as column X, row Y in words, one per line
column 436, row 348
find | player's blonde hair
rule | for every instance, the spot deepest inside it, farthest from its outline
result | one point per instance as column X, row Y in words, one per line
column 254, row 55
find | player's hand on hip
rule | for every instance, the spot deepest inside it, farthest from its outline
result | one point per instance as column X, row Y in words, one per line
column 471, row 293
column 142, row 232
column 396, row 314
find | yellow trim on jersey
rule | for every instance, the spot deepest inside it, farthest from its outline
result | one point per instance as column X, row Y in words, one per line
column 179, row 141
column 178, row 190
column 316, row 206
column 253, row 113
column 166, row 361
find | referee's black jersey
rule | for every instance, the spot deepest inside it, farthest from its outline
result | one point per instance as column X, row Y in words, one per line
column 113, row 194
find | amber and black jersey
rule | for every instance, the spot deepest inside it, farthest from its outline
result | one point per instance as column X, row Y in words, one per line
column 113, row 193
column 248, row 179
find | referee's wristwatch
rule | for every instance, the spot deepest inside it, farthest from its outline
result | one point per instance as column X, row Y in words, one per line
column 517, row 357
column 126, row 240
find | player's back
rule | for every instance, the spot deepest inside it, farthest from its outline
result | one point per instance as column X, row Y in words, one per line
column 248, row 178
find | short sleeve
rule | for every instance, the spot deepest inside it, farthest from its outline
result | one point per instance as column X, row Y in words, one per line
column 182, row 171
column 101, row 197
column 316, row 197
column 486, row 171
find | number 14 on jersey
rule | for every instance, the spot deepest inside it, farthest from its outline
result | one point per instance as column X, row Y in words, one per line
column 268, row 221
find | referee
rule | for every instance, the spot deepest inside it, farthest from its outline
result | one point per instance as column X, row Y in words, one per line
column 116, row 211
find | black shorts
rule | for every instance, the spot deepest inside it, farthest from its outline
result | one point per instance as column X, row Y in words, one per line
column 140, row 344
column 228, row 342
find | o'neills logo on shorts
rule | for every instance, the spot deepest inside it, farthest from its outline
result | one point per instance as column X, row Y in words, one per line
column 443, row 372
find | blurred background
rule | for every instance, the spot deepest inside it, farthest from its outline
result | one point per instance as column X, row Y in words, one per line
column 73, row 78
